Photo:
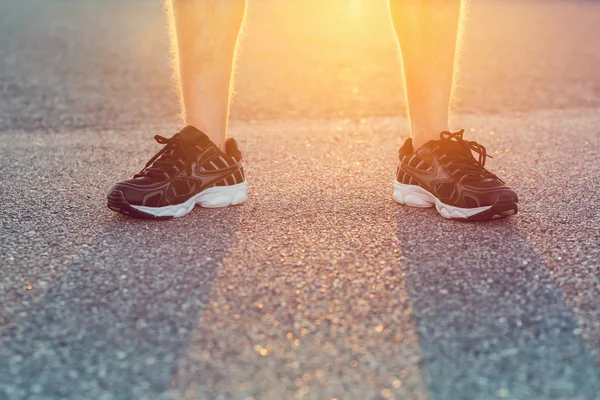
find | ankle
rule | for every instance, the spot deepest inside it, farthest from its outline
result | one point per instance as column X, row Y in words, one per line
column 418, row 141
column 420, row 136
column 216, row 134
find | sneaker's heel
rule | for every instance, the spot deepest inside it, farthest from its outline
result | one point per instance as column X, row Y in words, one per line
column 412, row 195
column 223, row 196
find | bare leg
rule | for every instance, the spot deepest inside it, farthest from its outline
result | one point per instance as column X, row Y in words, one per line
column 427, row 32
column 204, row 39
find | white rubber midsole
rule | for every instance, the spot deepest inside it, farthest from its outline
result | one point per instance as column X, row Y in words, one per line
column 213, row 197
column 416, row 196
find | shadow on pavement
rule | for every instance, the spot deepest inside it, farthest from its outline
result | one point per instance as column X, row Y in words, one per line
column 117, row 321
column 491, row 322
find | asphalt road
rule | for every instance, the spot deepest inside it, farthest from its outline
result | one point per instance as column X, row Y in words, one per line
column 318, row 287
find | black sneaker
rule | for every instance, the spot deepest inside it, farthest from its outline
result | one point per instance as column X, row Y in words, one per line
column 189, row 170
column 443, row 173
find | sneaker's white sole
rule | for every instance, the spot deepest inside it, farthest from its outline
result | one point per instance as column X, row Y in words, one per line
column 213, row 197
column 416, row 196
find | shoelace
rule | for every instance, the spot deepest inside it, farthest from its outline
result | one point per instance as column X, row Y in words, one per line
column 174, row 151
column 464, row 161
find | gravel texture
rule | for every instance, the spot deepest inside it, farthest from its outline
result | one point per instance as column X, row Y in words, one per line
column 318, row 287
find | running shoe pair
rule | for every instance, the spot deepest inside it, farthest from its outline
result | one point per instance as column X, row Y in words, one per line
column 191, row 169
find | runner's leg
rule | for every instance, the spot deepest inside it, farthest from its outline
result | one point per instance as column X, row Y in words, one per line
column 427, row 31
column 204, row 37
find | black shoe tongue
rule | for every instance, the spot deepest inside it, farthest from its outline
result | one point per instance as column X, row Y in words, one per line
column 189, row 133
